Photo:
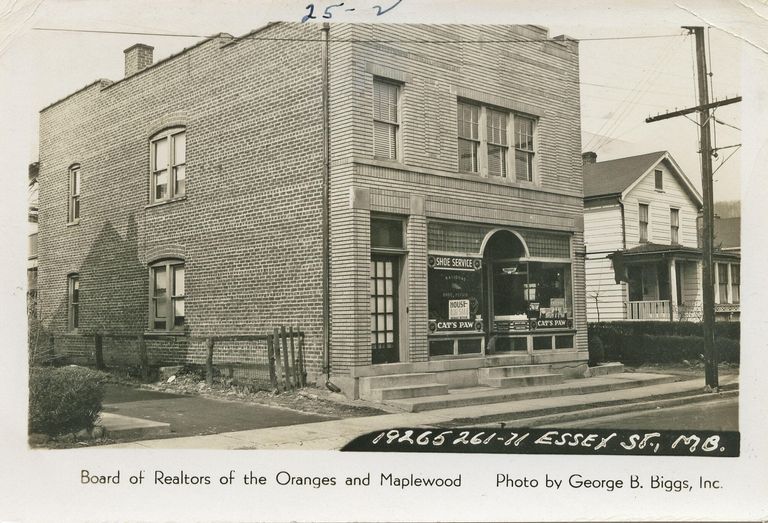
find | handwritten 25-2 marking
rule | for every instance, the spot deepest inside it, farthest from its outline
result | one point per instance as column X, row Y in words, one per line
column 328, row 11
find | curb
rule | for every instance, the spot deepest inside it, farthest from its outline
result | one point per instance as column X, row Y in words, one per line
column 599, row 412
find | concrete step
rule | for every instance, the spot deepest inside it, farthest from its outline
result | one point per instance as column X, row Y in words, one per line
column 605, row 369
column 514, row 370
column 396, row 380
column 486, row 395
column 408, row 391
column 523, row 381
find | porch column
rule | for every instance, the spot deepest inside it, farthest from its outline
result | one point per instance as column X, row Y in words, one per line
column 672, row 288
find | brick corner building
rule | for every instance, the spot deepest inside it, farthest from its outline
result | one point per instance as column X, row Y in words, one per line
column 187, row 200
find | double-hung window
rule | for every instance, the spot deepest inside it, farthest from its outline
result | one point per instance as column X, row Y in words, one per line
column 386, row 122
column 643, row 222
column 74, row 194
column 674, row 226
column 497, row 143
column 658, row 179
column 524, row 148
column 735, row 283
column 722, row 283
column 469, row 137
column 484, row 142
column 73, row 301
column 167, row 295
column 169, row 159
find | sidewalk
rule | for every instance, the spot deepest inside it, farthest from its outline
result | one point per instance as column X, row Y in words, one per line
column 332, row 435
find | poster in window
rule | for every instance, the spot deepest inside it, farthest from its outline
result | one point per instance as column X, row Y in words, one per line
column 454, row 294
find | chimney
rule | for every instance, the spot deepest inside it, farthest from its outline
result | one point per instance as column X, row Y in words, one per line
column 137, row 57
column 588, row 157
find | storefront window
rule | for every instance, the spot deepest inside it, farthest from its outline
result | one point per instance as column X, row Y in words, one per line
column 534, row 289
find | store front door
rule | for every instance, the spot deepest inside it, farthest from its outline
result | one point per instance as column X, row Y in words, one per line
column 384, row 325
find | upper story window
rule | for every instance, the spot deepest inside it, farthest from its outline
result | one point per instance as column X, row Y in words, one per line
column 469, row 137
column 169, row 158
column 484, row 144
column 674, row 226
column 643, row 222
column 658, row 179
column 167, row 295
column 73, row 207
column 386, row 121
column 524, row 148
column 498, row 144
column 73, row 301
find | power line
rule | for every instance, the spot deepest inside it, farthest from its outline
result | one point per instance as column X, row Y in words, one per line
column 354, row 40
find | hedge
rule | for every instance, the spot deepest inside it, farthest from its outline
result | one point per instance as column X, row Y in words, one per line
column 636, row 343
column 64, row 399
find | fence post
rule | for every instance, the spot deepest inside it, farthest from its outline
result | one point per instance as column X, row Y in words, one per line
column 271, row 357
column 288, row 381
column 209, row 361
column 98, row 351
column 143, row 358
column 276, row 343
column 302, row 370
column 294, row 368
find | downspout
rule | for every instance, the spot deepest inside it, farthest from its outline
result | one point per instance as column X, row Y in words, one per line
column 623, row 225
column 325, row 203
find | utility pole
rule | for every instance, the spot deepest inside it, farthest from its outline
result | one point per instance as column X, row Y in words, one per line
column 703, row 108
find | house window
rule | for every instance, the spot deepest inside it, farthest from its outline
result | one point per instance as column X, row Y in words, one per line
column 643, row 211
column 73, row 301
column 469, row 137
column 674, row 226
column 167, row 295
column 484, row 144
column 169, row 158
column 386, row 127
column 524, row 148
column 658, row 179
column 497, row 143
column 735, row 283
column 74, row 194
column 722, row 283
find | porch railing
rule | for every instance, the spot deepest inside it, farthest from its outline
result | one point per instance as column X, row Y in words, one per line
column 649, row 310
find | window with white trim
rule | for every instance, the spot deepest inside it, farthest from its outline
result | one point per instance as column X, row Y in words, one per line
column 484, row 144
column 658, row 179
column 168, row 151
column 73, row 301
column 674, row 226
column 524, row 150
column 735, row 283
column 386, row 121
column 73, row 206
column 643, row 222
column 167, row 295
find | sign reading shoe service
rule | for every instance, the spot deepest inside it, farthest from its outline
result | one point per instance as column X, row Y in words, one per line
column 455, row 294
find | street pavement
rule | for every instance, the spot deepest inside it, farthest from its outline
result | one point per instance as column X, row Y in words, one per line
column 194, row 415
column 332, row 435
column 713, row 415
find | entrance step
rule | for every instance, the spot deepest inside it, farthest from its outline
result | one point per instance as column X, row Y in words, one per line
column 519, row 376
column 523, row 381
column 485, row 395
column 408, row 391
column 398, row 386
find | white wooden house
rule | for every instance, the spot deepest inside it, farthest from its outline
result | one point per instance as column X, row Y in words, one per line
column 643, row 261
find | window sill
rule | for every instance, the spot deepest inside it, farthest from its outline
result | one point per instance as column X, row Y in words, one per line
column 659, row 190
column 75, row 222
column 165, row 202
column 164, row 334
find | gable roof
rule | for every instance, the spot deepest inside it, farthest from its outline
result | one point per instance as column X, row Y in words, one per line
column 616, row 177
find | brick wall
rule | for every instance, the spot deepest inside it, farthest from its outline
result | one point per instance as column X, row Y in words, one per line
column 249, row 227
column 530, row 77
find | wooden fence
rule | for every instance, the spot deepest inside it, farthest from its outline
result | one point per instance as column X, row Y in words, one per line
column 276, row 358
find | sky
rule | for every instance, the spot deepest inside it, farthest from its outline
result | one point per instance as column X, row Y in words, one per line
column 622, row 80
